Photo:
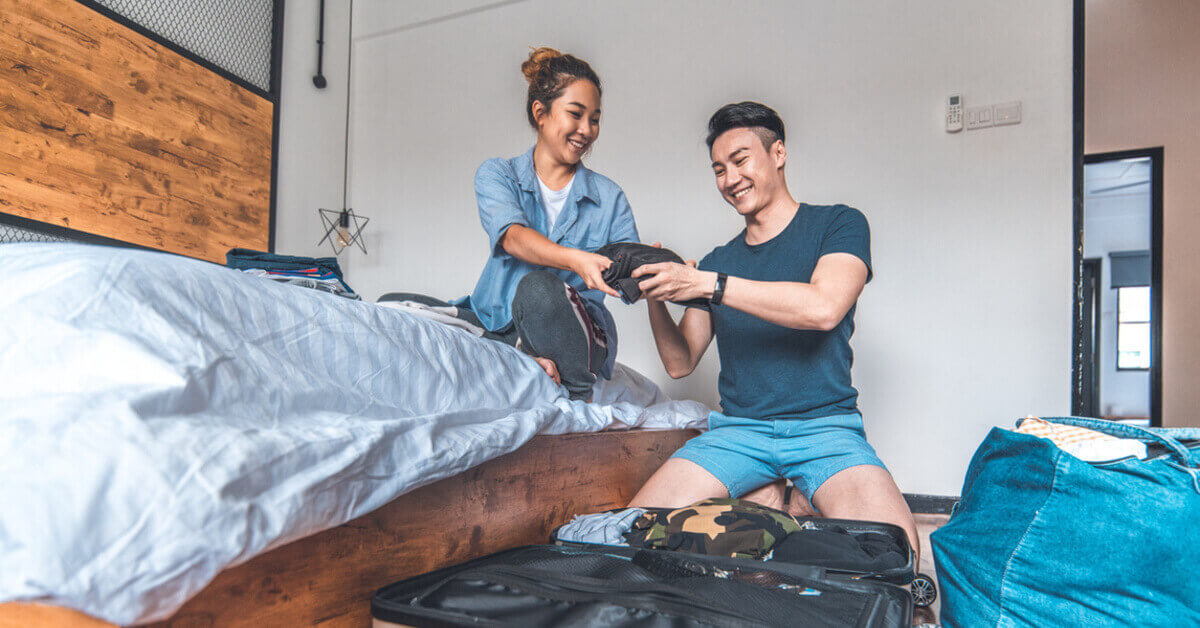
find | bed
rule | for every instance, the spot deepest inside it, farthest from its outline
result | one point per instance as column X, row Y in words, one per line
column 187, row 444
column 198, row 416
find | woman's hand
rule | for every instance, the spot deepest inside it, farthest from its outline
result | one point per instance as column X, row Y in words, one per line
column 590, row 267
column 550, row 367
column 675, row 282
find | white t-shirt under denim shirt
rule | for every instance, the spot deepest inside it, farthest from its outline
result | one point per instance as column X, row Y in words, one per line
column 553, row 201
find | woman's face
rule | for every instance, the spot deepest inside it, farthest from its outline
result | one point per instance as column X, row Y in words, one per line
column 572, row 123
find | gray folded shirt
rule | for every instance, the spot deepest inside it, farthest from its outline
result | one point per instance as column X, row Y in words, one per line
column 605, row 528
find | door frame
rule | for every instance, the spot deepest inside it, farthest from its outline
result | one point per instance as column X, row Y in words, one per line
column 1155, row 154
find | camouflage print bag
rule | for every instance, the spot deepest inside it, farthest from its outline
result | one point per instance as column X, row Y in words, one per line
column 717, row 527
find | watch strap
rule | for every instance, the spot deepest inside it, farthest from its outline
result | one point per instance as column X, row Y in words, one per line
column 719, row 290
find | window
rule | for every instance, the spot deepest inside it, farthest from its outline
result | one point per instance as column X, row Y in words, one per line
column 1133, row 328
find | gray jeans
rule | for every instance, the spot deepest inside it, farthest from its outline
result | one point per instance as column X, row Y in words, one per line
column 549, row 321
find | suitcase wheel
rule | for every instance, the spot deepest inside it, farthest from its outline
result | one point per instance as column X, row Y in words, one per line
column 924, row 592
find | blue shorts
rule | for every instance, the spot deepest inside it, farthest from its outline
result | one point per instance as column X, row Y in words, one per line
column 745, row 454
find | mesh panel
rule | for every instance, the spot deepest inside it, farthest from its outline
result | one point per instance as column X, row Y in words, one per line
column 9, row 233
column 590, row 565
column 234, row 35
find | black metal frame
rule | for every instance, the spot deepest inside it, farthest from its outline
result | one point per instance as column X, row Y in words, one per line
column 277, row 88
column 273, row 96
column 1155, row 154
column 1077, row 331
column 1092, row 389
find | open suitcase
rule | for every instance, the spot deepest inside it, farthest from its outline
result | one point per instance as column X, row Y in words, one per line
column 923, row 590
column 597, row 585
column 898, row 574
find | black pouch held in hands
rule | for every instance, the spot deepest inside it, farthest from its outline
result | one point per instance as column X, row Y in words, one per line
column 627, row 257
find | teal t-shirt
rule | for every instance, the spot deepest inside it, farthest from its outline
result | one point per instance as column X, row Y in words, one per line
column 772, row 372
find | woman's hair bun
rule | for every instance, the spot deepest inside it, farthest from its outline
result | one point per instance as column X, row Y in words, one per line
column 537, row 60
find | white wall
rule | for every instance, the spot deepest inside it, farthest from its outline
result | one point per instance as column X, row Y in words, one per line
column 967, row 323
column 311, row 128
column 1119, row 222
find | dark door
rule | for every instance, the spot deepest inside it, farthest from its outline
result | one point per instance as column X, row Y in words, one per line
column 1091, row 338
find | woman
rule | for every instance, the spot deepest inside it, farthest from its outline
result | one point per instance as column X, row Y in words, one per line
column 544, row 213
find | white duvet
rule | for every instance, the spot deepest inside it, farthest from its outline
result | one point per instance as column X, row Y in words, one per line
column 162, row 419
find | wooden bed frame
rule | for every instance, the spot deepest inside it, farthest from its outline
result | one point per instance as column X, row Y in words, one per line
column 328, row 579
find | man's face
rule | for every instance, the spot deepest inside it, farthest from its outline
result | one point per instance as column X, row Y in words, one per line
column 749, row 175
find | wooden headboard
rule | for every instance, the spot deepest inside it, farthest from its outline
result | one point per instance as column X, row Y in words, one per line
column 105, row 131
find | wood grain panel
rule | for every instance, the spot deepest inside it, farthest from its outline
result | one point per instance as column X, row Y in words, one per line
column 328, row 579
column 21, row 615
column 105, row 131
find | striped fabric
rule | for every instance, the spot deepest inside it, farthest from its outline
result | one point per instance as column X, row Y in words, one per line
column 1081, row 442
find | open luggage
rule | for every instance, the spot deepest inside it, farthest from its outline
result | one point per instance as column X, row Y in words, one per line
column 819, row 547
column 555, row 585
column 843, row 547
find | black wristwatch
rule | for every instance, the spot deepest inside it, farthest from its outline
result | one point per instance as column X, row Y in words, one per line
column 719, row 291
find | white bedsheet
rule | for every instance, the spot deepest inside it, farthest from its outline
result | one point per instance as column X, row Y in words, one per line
column 162, row 419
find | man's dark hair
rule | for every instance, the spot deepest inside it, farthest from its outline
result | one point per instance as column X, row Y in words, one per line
column 746, row 115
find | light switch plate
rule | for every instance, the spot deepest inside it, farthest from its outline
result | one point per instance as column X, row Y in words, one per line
column 979, row 117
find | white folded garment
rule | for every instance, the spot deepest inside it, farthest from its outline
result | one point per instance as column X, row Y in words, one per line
column 1083, row 443
column 433, row 313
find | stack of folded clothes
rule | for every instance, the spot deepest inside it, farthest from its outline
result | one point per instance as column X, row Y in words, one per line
column 321, row 273
column 739, row 529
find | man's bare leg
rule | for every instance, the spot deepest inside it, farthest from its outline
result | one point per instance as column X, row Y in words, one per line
column 678, row 483
column 867, row 492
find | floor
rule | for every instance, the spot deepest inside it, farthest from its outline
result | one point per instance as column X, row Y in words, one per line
column 925, row 525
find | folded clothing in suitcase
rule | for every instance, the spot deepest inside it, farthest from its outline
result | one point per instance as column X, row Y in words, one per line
column 726, row 527
column 863, row 548
column 550, row 585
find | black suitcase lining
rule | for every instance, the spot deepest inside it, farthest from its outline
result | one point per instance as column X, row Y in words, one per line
column 687, row 589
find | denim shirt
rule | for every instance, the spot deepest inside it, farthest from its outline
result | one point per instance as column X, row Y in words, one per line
column 595, row 213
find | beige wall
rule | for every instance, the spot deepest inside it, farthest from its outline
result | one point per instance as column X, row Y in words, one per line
column 1142, row 89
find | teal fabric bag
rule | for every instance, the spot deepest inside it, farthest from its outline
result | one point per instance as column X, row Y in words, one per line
column 1043, row 538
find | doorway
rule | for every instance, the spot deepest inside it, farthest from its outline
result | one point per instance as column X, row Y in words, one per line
column 1120, row 297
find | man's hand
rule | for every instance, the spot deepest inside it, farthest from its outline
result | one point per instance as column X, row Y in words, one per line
column 550, row 367
column 675, row 282
column 589, row 267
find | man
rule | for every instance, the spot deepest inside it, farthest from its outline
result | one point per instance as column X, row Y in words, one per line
column 782, row 295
